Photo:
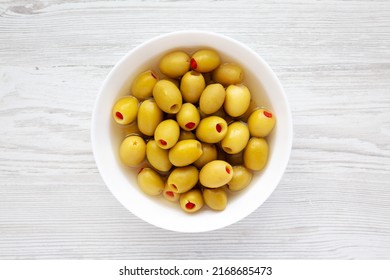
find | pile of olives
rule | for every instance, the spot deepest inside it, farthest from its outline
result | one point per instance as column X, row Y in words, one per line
column 193, row 130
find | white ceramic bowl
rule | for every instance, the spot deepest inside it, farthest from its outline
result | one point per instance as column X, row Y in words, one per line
column 266, row 90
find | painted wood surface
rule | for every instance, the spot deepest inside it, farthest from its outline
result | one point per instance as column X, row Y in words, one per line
column 333, row 58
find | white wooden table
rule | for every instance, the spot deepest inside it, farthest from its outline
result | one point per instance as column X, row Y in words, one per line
column 333, row 58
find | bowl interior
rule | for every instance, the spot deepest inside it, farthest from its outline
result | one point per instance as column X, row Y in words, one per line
column 106, row 134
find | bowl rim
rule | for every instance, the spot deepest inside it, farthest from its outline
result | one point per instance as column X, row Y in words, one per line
column 276, row 82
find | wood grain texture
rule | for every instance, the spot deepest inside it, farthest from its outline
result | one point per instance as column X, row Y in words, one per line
column 333, row 58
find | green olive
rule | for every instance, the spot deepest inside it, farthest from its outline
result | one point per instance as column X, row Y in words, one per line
column 168, row 97
column 205, row 60
column 188, row 117
column 209, row 153
column 157, row 156
column 125, row 110
column 212, row 98
column 215, row 174
column 191, row 86
column 191, row 201
column 142, row 86
column 185, row 135
column 167, row 134
column 169, row 194
column 216, row 199
column 150, row 181
column 228, row 74
column 149, row 116
column 220, row 113
column 211, row 129
column 185, row 152
column 261, row 122
column 183, row 179
column 241, row 178
column 132, row 150
column 236, row 138
column 175, row 64
column 256, row 154
column 237, row 100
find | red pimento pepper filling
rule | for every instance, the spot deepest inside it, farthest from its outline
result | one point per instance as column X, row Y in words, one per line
column 193, row 64
column 190, row 205
column 190, row 125
column 154, row 75
column 227, row 170
column 162, row 142
column 218, row 127
column 169, row 193
column 267, row 114
column 119, row 115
